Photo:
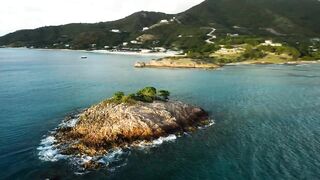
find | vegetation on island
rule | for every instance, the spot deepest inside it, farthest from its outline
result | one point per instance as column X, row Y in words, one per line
column 147, row 94
column 253, row 48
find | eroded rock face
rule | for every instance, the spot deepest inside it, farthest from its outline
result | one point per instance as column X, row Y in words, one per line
column 108, row 125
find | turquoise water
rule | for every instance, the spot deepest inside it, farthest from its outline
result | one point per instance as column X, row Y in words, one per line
column 267, row 118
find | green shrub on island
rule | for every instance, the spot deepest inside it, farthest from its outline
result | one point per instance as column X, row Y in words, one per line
column 118, row 95
column 251, row 40
column 253, row 53
column 202, row 52
column 164, row 94
column 147, row 94
column 291, row 51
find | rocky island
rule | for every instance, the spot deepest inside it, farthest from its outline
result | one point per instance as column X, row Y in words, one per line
column 125, row 121
column 177, row 62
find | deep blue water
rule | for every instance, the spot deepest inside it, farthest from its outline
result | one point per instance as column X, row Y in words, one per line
column 267, row 117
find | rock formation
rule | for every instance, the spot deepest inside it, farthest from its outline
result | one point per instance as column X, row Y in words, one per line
column 108, row 125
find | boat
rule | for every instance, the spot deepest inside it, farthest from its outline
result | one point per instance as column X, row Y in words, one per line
column 84, row 57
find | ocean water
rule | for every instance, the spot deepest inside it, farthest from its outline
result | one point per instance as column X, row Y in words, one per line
column 267, row 117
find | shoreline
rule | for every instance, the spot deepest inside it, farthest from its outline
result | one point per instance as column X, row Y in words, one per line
column 270, row 63
column 173, row 54
column 129, row 53
column 189, row 63
column 160, row 54
column 49, row 151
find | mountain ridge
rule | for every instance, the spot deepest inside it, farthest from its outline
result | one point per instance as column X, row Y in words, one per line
column 290, row 20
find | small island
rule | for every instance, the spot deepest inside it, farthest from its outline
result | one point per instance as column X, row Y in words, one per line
column 125, row 121
column 177, row 62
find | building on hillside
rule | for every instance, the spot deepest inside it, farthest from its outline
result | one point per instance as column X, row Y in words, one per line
column 224, row 51
column 145, row 29
column 135, row 42
column 146, row 51
column 164, row 21
column 115, row 30
column 160, row 49
column 232, row 35
column 270, row 43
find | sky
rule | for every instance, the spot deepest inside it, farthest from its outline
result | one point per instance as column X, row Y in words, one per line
column 29, row 14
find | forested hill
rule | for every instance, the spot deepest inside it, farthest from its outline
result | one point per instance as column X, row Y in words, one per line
column 290, row 20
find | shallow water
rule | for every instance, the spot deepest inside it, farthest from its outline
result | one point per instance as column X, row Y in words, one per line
column 267, row 118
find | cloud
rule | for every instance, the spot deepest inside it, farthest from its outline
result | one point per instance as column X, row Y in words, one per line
column 17, row 14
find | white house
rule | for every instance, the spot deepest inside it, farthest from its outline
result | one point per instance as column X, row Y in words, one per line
column 173, row 19
column 224, row 51
column 270, row 43
column 145, row 51
column 164, row 21
column 232, row 35
column 145, row 29
column 160, row 49
column 135, row 42
column 115, row 30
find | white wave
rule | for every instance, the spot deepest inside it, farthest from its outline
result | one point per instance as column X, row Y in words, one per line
column 160, row 140
column 80, row 160
column 70, row 123
column 48, row 141
column 299, row 65
column 111, row 156
column 115, row 158
column 48, row 150
column 211, row 123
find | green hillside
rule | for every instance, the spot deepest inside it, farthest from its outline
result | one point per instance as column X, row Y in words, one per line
column 82, row 36
column 288, row 21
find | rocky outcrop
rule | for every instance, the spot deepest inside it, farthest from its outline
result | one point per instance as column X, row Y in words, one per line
column 108, row 125
column 177, row 62
column 146, row 37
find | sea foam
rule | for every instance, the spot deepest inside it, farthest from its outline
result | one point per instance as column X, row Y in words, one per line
column 115, row 158
column 48, row 150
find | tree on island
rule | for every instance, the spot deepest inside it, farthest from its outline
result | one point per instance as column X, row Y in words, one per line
column 118, row 95
column 164, row 94
column 147, row 94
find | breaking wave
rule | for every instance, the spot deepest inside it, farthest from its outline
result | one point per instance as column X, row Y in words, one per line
column 115, row 158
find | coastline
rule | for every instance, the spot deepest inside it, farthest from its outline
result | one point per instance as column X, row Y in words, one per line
column 160, row 54
column 175, row 62
column 171, row 55
column 266, row 63
column 129, row 53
